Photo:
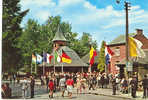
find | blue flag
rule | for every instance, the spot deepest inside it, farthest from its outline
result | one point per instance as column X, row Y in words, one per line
column 44, row 57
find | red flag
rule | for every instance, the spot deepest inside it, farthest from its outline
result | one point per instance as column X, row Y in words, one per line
column 49, row 57
column 65, row 58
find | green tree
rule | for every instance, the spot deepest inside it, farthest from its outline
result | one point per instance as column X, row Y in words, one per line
column 37, row 38
column 101, row 60
column 11, row 30
column 82, row 46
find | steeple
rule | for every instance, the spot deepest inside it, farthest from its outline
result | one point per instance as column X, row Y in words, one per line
column 59, row 36
column 59, row 39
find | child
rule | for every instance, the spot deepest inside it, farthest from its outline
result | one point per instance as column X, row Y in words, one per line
column 51, row 87
column 70, row 85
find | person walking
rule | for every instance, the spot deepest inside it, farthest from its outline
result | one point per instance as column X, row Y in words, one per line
column 32, row 84
column 51, row 88
column 47, row 81
column 24, row 87
column 41, row 79
column 125, row 86
column 145, row 86
column 14, row 78
column 91, row 83
column 70, row 85
column 78, row 84
column 62, row 84
column 114, row 85
column 102, row 81
column 133, row 84
column 83, row 85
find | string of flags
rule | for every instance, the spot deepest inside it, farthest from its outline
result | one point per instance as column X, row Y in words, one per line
column 38, row 59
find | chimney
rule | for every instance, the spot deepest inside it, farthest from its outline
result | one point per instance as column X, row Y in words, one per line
column 139, row 31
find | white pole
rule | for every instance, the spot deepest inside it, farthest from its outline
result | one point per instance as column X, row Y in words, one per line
column 105, row 68
column 62, row 67
column 82, row 69
column 43, row 68
column 54, row 61
column 43, row 64
column 90, row 68
column 35, row 68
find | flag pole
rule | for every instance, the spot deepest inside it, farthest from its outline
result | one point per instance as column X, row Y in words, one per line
column 90, row 68
column 43, row 64
column 35, row 68
column 54, row 62
column 105, row 68
column 62, row 67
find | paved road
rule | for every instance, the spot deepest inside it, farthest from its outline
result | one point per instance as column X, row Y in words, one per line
column 75, row 97
column 41, row 94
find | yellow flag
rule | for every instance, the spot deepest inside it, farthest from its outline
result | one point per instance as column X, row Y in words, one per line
column 91, row 52
column 132, row 47
column 135, row 48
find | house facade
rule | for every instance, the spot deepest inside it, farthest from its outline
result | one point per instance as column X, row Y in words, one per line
column 118, row 61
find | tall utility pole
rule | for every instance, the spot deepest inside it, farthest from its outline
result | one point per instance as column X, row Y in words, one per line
column 126, row 5
column 127, row 30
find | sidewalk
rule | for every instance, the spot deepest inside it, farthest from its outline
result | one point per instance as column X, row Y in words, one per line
column 108, row 92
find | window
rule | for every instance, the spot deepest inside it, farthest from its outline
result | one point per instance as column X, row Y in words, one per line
column 117, row 51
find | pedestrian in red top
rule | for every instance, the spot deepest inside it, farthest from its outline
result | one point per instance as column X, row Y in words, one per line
column 51, row 88
column 70, row 85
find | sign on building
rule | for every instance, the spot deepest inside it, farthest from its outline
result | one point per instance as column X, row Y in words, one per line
column 129, row 66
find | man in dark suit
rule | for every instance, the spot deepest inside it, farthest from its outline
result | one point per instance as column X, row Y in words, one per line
column 145, row 86
column 133, row 84
column 114, row 85
column 32, row 83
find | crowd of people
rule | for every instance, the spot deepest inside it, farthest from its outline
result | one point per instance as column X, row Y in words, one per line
column 91, row 81
column 83, row 82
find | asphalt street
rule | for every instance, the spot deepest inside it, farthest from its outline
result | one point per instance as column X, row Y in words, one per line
column 78, row 97
column 41, row 94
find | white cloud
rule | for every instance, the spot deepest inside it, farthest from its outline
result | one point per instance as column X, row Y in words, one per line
column 43, row 15
column 37, row 3
column 85, row 17
column 89, row 6
column 69, row 2
column 135, row 7
column 135, row 16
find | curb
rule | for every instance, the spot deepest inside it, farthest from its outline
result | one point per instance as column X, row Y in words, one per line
column 112, row 96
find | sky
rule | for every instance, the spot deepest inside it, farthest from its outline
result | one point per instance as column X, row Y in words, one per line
column 103, row 19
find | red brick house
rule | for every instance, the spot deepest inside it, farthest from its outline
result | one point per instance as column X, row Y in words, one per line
column 117, row 63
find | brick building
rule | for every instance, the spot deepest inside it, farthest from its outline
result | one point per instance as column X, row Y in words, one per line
column 118, row 61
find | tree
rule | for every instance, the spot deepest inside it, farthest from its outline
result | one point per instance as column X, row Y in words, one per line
column 37, row 38
column 101, row 60
column 11, row 30
column 82, row 46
